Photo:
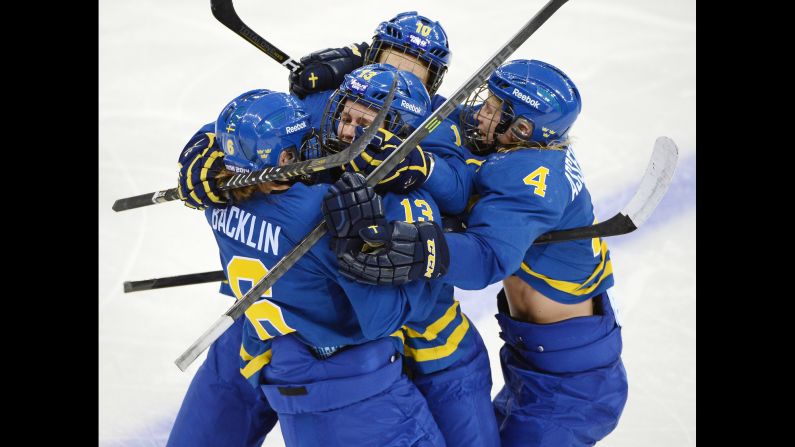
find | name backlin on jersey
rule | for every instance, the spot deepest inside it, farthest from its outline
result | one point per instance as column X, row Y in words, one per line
column 243, row 227
column 573, row 173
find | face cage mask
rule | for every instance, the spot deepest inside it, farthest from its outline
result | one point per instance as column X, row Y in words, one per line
column 436, row 70
column 330, row 141
column 475, row 141
column 310, row 146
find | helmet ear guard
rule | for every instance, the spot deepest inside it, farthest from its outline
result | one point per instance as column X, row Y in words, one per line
column 522, row 129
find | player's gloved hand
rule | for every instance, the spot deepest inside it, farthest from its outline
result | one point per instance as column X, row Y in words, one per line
column 397, row 253
column 348, row 206
column 200, row 161
column 407, row 176
column 326, row 69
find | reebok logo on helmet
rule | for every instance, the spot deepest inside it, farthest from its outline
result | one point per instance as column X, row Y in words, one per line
column 525, row 98
column 409, row 106
column 297, row 127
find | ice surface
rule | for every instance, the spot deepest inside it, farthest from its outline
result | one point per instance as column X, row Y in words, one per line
column 165, row 68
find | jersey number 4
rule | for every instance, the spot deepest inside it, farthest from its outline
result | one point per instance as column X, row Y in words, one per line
column 264, row 315
column 538, row 178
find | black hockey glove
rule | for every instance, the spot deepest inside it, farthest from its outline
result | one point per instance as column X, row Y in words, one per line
column 326, row 69
column 349, row 206
column 397, row 253
column 407, row 176
column 199, row 162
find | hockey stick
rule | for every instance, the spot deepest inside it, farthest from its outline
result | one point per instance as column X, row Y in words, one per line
column 285, row 172
column 652, row 188
column 174, row 281
column 431, row 123
column 224, row 11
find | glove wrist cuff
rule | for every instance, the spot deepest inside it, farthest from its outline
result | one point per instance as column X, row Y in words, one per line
column 431, row 237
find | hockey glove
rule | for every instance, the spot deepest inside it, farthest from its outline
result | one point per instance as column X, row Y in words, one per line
column 200, row 161
column 397, row 253
column 326, row 69
column 349, row 206
column 407, row 176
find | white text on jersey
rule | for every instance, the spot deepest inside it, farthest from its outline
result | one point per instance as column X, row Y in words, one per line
column 240, row 226
column 573, row 173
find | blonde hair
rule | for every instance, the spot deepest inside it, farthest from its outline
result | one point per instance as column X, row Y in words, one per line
column 245, row 193
column 556, row 145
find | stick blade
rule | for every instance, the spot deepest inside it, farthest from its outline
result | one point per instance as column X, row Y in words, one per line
column 220, row 326
column 655, row 181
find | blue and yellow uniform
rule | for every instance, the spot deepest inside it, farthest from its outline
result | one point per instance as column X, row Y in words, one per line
column 220, row 407
column 444, row 352
column 565, row 383
column 522, row 194
column 321, row 401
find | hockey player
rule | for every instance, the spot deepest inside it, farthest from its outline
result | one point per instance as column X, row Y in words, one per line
column 410, row 42
column 444, row 352
column 565, row 383
column 316, row 344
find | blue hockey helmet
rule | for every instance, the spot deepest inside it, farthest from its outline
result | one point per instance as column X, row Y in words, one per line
column 530, row 90
column 255, row 128
column 419, row 36
column 369, row 87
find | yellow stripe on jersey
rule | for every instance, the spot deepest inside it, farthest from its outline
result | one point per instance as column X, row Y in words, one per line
column 399, row 334
column 474, row 161
column 433, row 329
column 256, row 364
column 438, row 352
column 573, row 288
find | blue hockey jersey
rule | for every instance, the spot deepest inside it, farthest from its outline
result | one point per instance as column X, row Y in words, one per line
column 440, row 338
column 522, row 194
column 312, row 299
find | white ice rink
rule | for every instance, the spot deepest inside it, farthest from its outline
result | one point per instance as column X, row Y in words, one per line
column 166, row 67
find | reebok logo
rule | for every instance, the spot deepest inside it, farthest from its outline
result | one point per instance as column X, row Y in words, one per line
column 525, row 98
column 296, row 128
column 409, row 106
